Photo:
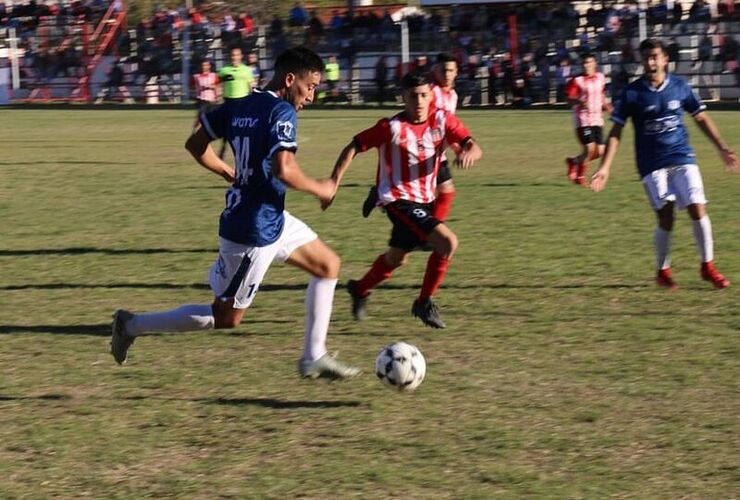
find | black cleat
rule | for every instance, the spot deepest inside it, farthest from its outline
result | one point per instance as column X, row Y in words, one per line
column 428, row 312
column 358, row 303
column 370, row 202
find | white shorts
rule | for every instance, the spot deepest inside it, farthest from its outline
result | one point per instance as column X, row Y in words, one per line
column 239, row 269
column 681, row 184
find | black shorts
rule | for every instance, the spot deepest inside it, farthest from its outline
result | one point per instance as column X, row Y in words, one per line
column 444, row 174
column 587, row 135
column 204, row 106
column 412, row 223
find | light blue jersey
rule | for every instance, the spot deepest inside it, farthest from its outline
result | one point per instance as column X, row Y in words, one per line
column 661, row 139
column 256, row 127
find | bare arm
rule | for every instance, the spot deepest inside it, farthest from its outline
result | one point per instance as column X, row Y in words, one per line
column 286, row 168
column 599, row 179
column 707, row 125
column 343, row 162
column 199, row 146
column 469, row 153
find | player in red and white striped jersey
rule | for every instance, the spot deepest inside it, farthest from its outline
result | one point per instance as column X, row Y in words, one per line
column 207, row 89
column 445, row 97
column 410, row 147
column 587, row 94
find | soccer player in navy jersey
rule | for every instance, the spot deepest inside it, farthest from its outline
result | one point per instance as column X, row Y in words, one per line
column 410, row 148
column 255, row 229
column 665, row 160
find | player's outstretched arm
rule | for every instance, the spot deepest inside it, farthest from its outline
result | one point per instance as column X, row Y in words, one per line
column 599, row 179
column 286, row 168
column 469, row 153
column 343, row 162
column 707, row 125
column 199, row 146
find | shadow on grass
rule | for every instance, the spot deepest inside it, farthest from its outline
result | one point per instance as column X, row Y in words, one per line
column 106, row 251
column 104, row 329
column 100, row 329
column 43, row 397
column 280, row 404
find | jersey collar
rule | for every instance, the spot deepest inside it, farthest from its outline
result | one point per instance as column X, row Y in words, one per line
column 662, row 85
column 261, row 91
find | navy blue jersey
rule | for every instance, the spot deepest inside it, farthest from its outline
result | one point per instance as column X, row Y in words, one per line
column 256, row 127
column 661, row 139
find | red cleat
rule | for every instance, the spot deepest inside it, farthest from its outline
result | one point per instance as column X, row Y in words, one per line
column 572, row 167
column 581, row 181
column 665, row 279
column 710, row 273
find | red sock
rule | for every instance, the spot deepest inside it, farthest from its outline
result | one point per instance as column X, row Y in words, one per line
column 442, row 205
column 435, row 273
column 378, row 273
column 582, row 169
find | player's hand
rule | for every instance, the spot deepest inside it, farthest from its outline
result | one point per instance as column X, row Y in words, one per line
column 732, row 163
column 464, row 160
column 598, row 180
column 326, row 192
column 229, row 175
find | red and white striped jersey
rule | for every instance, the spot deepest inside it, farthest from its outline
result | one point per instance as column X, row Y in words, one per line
column 444, row 99
column 591, row 91
column 205, row 86
column 409, row 154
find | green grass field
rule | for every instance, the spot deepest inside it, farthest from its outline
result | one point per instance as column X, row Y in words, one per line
column 564, row 373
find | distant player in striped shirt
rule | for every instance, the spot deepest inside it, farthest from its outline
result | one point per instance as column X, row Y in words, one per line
column 410, row 147
column 587, row 94
column 445, row 97
column 207, row 90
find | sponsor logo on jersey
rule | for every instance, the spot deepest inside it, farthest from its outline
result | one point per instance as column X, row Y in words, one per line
column 244, row 122
column 674, row 104
column 661, row 125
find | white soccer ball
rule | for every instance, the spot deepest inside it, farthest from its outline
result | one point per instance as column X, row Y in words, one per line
column 401, row 366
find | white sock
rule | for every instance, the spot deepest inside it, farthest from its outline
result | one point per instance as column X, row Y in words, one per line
column 703, row 237
column 663, row 247
column 319, row 300
column 186, row 318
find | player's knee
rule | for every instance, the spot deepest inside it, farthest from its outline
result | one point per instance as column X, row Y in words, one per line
column 329, row 268
column 448, row 245
column 696, row 211
column 447, row 187
column 394, row 259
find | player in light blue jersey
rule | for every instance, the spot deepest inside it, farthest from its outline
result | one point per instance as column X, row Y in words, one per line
column 255, row 229
column 665, row 160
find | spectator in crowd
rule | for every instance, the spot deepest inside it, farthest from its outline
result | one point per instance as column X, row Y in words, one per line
column 563, row 74
column 381, row 78
column 705, row 51
column 674, row 55
column 298, row 15
column 115, row 83
column 728, row 53
column 253, row 63
column 699, row 12
column 331, row 75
